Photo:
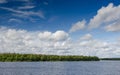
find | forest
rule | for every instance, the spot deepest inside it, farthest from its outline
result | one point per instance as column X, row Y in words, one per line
column 12, row 57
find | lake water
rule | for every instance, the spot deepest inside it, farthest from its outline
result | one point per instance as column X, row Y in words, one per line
column 60, row 68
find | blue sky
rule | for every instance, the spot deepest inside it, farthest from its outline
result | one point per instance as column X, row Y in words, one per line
column 88, row 19
column 58, row 14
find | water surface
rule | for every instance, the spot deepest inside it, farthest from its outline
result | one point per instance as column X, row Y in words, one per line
column 60, row 68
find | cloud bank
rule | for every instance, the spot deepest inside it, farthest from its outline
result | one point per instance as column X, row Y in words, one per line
column 59, row 42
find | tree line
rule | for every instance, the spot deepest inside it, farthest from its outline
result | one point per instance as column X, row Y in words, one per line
column 110, row 59
column 39, row 57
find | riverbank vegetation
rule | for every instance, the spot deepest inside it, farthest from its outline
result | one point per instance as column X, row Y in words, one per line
column 38, row 57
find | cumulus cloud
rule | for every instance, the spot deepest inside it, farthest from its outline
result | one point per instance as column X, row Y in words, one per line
column 100, row 48
column 58, row 43
column 57, row 36
column 113, row 27
column 78, row 26
column 22, row 41
column 86, row 37
column 105, row 16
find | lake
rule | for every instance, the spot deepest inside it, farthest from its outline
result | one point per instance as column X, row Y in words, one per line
column 61, row 68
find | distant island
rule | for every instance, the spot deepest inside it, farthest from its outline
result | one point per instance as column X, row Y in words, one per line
column 13, row 57
column 110, row 59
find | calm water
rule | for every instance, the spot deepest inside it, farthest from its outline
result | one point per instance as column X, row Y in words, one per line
column 60, row 68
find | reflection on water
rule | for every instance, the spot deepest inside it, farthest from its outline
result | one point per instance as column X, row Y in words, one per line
column 60, row 68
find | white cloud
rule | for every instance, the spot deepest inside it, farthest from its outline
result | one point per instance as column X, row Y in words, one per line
column 14, row 20
column 45, row 35
column 105, row 16
column 60, row 35
column 113, row 27
column 25, row 14
column 22, row 41
column 59, row 42
column 27, row 4
column 3, row 1
column 26, row 7
column 94, row 44
column 6, row 1
column 57, row 36
column 100, row 48
column 78, row 26
column 119, row 39
column 86, row 37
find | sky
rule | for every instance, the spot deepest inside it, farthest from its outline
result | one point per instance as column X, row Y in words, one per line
column 60, row 27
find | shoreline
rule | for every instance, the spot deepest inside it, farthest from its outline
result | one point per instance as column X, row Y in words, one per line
column 13, row 57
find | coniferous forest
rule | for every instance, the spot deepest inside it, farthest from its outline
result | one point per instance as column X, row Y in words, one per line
column 13, row 57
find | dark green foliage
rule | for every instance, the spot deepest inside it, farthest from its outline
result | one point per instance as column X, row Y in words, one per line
column 110, row 58
column 38, row 57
